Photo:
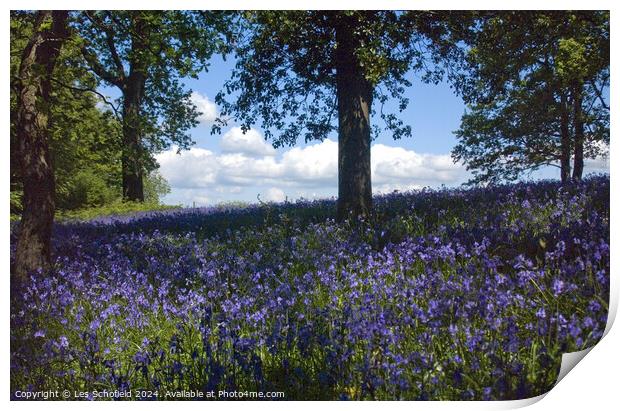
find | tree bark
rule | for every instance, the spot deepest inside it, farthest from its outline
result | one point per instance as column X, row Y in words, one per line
column 133, row 94
column 579, row 137
column 133, row 188
column 565, row 146
column 354, row 94
column 33, row 249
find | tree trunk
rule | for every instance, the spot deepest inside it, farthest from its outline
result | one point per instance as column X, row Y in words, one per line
column 33, row 109
column 579, row 137
column 133, row 188
column 354, row 95
column 133, row 93
column 565, row 146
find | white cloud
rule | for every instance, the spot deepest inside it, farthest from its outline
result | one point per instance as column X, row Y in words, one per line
column 313, row 165
column 275, row 194
column 206, row 107
column 193, row 168
column 406, row 168
column 250, row 143
column 229, row 189
column 247, row 167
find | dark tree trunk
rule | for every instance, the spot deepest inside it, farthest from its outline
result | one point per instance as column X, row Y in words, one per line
column 133, row 188
column 354, row 95
column 133, row 94
column 565, row 146
column 33, row 109
column 579, row 137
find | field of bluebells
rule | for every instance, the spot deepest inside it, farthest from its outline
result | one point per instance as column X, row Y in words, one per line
column 448, row 294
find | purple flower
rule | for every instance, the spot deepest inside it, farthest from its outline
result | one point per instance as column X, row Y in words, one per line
column 63, row 341
column 231, row 298
column 558, row 287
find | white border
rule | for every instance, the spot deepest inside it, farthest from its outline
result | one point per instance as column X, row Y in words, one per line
column 591, row 385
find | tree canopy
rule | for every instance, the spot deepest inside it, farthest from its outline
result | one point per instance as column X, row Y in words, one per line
column 286, row 72
column 146, row 55
column 84, row 133
column 534, row 84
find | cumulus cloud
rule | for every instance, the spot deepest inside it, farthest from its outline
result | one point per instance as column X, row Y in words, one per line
column 206, row 107
column 250, row 143
column 194, row 168
column 275, row 194
column 399, row 167
column 248, row 166
column 313, row 165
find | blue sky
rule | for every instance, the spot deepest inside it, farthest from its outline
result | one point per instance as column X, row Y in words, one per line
column 237, row 167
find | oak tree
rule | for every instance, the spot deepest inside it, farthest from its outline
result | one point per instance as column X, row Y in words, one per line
column 33, row 89
column 535, row 86
column 308, row 73
column 145, row 55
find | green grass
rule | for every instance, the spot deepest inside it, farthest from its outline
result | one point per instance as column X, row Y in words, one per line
column 115, row 208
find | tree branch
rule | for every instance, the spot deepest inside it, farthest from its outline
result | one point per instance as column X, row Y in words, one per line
column 99, row 70
column 90, row 90
column 599, row 94
column 109, row 37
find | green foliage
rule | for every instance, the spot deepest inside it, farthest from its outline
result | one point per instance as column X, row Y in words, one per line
column 84, row 139
column 155, row 187
column 523, row 78
column 16, row 202
column 85, row 189
column 286, row 68
column 152, row 51
column 228, row 205
column 85, row 134
column 115, row 208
